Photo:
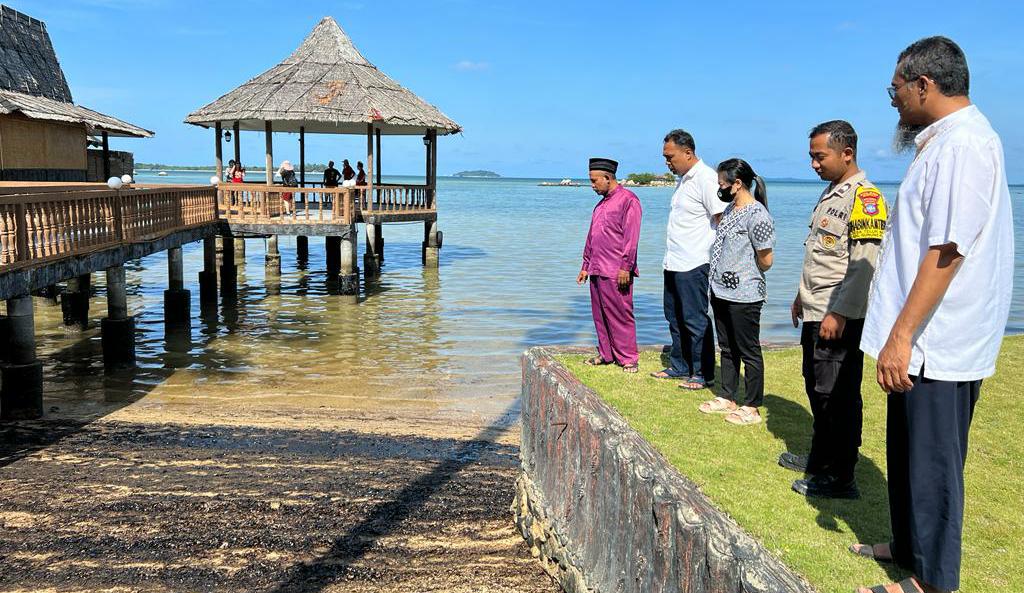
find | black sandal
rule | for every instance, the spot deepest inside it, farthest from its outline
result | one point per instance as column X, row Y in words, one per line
column 596, row 361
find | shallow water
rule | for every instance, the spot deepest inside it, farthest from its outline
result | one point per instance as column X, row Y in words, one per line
column 424, row 341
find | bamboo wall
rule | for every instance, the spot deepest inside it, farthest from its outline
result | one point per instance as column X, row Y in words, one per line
column 27, row 144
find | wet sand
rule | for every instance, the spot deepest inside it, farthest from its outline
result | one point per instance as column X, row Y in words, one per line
column 300, row 501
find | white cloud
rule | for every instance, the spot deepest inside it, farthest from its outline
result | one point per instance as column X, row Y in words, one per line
column 470, row 66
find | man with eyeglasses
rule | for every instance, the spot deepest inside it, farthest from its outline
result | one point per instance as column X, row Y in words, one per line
column 937, row 309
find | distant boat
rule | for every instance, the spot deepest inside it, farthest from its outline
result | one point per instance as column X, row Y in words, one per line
column 162, row 173
column 563, row 183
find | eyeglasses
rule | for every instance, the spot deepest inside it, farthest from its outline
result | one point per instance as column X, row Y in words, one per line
column 893, row 89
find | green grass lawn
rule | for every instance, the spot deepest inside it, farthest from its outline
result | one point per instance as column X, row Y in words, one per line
column 736, row 467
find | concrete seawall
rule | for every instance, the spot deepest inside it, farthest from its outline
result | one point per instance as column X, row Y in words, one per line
column 604, row 512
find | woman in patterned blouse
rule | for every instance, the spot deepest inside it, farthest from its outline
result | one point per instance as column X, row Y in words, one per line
column 740, row 255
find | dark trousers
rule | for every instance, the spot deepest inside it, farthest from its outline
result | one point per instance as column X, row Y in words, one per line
column 686, row 310
column 739, row 339
column 832, row 371
column 926, row 443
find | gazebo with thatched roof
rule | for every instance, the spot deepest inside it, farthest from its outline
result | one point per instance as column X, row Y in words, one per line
column 326, row 86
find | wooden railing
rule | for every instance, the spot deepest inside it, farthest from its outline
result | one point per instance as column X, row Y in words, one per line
column 40, row 222
column 256, row 203
column 392, row 197
column 37, row 226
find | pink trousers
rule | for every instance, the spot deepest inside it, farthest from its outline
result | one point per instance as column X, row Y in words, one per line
column 613, row 320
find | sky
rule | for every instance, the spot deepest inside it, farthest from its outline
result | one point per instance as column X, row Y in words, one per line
column 541, row 86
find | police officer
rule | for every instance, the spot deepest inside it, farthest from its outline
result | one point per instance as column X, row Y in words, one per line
column 839, row 261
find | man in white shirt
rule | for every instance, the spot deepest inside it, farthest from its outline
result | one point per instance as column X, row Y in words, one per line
column 691, row 231
column 938, row 307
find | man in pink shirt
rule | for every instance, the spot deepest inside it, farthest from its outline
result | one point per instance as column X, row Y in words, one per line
column 609, row 261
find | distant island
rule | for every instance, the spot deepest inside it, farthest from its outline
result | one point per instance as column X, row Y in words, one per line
column 489, row 174
column 650, row 179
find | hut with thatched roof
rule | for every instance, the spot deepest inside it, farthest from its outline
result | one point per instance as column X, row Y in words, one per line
column 44, row 136
column 326, row 86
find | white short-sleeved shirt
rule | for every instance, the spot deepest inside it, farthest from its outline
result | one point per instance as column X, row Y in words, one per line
column 955, row 191
column 691, row 228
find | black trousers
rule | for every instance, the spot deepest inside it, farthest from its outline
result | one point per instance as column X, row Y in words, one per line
column 739, row 339
column 926, row 443
column 686, row 310
column 833, row 370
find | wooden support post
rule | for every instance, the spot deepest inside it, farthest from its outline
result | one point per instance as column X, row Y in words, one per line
column 219, row 151
column 273, row 261
column 269, row 131
column 228, row 271
column 75, row 302
column 426, row 149
column 302, row 249
column 106, row 156
column 117, row 329
column 371, row 263
column 379, row 250
column 333, row 255
column 238, row 144
column 432, row 193
column 21, row 394
column 302, row 158
column 431, row 244
column 208, row 277
column 349, row 248
column 177, row 300
column 117, row 293
column 378, row 157
column 369, row 165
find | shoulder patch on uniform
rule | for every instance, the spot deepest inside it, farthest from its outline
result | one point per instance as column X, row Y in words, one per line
column 869, row 215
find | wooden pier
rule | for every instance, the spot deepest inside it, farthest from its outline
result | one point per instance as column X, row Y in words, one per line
column 63, row 233
column 54, row 233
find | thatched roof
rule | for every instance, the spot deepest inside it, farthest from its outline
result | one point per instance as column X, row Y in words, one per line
column 47, row 109
column 28, row 63
column 327, row 86
column 33, row 84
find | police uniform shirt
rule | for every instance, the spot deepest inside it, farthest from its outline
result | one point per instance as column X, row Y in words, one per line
column 841, row 249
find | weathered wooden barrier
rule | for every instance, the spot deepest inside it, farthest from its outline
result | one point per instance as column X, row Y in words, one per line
column 606, row 513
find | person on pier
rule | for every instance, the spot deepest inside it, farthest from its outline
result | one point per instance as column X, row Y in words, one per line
column 361, row 175
column 287, row 173
column 609, row 262
column 347, row 174
column 331, row 175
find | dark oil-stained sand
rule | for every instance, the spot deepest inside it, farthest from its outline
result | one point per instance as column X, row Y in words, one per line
column 159, row 500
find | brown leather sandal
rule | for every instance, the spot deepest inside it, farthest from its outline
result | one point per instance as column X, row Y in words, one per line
column 905, row 586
